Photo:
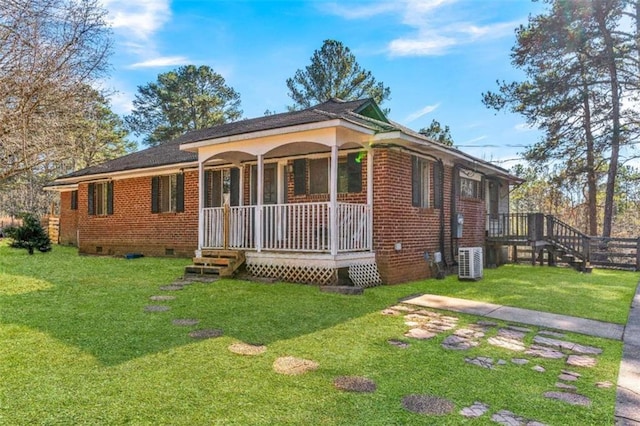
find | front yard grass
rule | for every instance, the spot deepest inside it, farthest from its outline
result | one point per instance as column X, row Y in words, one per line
column 77, row 347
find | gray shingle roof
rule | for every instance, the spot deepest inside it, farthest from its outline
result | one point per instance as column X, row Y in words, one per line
column 169, row 152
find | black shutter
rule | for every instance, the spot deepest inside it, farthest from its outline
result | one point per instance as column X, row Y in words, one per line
column 416, row 175
column 437, row 185
column 235, row 186
column 74, row 200
column 155, row 194
column 354, row 172
column 207, row 188
column 300, row 176
column 216, row 191
column 180, row 192
column 91, row 198
column 110, row 197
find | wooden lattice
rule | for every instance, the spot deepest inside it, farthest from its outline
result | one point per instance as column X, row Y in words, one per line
column 362, row 275
column 365, row 275
column 293, row 273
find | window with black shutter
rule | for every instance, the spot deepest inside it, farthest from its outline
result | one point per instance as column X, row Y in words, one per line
column 420, row 182
column 300, row 176
column 100, row 198
column 167, row 193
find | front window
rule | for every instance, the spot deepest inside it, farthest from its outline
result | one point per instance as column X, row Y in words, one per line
column 319, row 176
column 100, row 197
column 167, row 193
column 470, row 188
column 420, row 182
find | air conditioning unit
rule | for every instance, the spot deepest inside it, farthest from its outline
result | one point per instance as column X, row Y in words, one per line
column 470, row 263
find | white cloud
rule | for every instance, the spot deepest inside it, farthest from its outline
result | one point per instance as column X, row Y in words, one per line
column 163, row 61
column 138, row 18
column 436, row 27
column 352, row 11
column 121, row 103
column 424, row 111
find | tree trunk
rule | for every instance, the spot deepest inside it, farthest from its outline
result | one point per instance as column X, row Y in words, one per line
column 601, row 11
column 592, row 188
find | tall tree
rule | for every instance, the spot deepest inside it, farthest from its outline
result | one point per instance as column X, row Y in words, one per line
column 49, row 51
column 334, row 73
column 438, row 133
column 188, row 98
column 571, row 59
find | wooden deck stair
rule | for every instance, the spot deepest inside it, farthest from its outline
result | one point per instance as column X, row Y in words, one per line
column 216, row 262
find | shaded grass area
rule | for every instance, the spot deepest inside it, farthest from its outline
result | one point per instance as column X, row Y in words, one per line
column 76, row 347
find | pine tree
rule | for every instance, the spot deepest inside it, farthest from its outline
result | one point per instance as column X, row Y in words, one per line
column 31, row 235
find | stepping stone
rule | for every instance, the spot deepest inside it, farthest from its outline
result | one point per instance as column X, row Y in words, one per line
column 185, row 321
column 538, row 368
column 474, row 411
column 354, row 384
column 604, row 385
column 581, row 361
column 501, row 362
column 544, row 352
column 399, row 343
column 171, row 287
column 402, row 308
column 566, row 345
column 572, row 373
column 156, row 308
column 162, row 298
column 524, row 330
column 565, row 386
column 519, row 361
column 419, row 333
column 242, row 348
column 551, row 333
column 411, row 323
column 427, row 404
column 469, row 333
column 294, row 366
column 488, row 324
column 206, row 333
column 458, row 343
column 507, row 418
column 417, row 317
column 390, row 312
column 509, row 333
column 569, row 398
column 481, row 361
column 506, row 343
column 567, row 377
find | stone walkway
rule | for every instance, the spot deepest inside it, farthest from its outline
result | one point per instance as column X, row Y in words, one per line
column 424, row 324
column 627, row 411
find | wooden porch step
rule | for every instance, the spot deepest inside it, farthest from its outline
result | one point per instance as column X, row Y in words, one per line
column 216, row 262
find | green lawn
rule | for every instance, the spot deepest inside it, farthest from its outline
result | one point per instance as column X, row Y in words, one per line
column 77, row 347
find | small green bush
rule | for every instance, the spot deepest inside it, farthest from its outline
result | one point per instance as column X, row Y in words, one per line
column 31, row 235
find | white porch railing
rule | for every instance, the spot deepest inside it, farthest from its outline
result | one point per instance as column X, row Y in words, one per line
column 290, row 227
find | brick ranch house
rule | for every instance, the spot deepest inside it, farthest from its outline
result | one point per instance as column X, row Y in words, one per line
column 308, row 192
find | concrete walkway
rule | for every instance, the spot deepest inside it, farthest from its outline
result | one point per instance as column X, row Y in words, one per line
column 628, row 390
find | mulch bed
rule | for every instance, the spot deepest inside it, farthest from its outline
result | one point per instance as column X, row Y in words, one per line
column 293, row 366
column 354, row 384
column 242, row 348
column 427, row 404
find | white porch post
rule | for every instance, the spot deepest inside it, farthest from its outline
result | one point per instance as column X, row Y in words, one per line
column 333, row 200
column 370, row 198
column 201, row 190
column 259, row 200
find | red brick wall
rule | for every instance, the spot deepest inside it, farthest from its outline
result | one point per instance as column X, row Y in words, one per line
column 395, row 220
column 68, row 220
column 133, row 228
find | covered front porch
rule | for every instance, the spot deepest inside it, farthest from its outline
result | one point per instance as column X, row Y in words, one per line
column 299, row 205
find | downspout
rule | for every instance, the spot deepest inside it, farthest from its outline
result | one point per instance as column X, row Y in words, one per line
column 442, row 216
column 455, row 190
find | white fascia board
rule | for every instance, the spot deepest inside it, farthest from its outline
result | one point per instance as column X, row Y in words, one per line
column 193, row 146
column 62, row 188
column 128, row 174
column 398, row 136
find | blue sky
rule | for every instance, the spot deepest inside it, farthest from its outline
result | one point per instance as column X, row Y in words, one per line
column 437, row 56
